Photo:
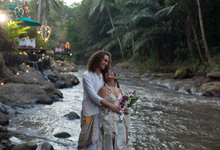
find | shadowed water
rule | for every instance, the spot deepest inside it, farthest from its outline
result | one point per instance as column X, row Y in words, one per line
column 162, row 119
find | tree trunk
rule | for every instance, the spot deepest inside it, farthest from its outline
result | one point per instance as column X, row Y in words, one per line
column 211, row 62
column 119, row 42
column 188, row 34
column 38, row 12
column 197, row 41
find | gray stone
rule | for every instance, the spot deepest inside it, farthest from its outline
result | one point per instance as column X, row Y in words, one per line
column 3, row 129
column 72, row 116
column 214, row 76
column 14, row 60
column 62, row 135
column 25, row 146
column 47, row 146
column 18, row 94
column 3, row 119
column 3, row 109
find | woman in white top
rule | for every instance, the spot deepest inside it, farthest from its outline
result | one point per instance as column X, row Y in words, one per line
column 98, row 64
column 114, row 133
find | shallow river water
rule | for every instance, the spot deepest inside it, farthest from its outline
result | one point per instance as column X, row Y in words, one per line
column 162, row 119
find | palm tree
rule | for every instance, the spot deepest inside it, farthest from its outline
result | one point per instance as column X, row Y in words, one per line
column 104, row 4
column 211, row 62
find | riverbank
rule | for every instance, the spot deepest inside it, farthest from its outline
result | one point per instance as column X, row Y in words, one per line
column 26, row 81
column 178, row 79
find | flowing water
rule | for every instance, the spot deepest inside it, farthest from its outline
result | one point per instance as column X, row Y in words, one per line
column 162, row 119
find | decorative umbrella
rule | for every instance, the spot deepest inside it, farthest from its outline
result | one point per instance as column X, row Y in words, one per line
column 28, row 22
column 10, row 7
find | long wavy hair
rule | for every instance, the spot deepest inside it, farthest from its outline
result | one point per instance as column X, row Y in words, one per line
column 95, row 61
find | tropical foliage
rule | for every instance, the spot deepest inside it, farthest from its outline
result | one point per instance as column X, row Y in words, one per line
column 149, row 32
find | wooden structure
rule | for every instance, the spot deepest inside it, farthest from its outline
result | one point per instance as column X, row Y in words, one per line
column 62, row 47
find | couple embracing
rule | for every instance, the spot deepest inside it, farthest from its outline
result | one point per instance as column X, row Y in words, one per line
column 100, row 126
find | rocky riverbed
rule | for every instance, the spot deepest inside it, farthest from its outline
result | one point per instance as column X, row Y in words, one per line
column 25, row 83
column 178, row 79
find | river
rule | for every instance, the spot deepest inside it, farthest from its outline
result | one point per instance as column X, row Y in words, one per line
column 162, row 119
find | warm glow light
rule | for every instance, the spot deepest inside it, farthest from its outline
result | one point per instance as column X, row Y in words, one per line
column 38, row 32
column 61, row 73
column 22, row 63
column 64, row 68
column 50, row 57
column 20, row 53
column 27, row 65
column 39, row 59
column 47, row 55
column 27, row 71
column 2, row 17
column 42, row 57
column 43, row 54
column 2, row 83
column 68, row 61
column 59, row 64
column 64, row 60
column 17, row 73
column 34, row 53
column 71, row 54
column 73, row 67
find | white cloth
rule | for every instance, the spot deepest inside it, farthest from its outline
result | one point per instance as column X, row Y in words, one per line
column 110, row 125
column 92, row 83
column 27, row 42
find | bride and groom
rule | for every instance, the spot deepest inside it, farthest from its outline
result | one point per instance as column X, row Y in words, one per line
column 100, row 126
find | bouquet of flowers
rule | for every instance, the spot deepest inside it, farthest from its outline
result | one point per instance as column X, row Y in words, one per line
column 128, row 100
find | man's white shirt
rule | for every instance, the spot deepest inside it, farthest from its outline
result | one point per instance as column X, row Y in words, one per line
column 92, row 83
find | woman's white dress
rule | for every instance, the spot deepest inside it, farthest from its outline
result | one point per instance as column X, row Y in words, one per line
column 111, row 127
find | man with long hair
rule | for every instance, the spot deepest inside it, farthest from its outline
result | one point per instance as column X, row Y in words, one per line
column 93, row 79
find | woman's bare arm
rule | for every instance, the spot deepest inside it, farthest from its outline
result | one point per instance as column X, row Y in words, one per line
column 102, row 93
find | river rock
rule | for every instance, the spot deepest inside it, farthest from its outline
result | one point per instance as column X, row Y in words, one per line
column 66, row 80
column 3, row 109
column 3, row 119
column 3, row 68
column 18, row 94
column 183, row 73
column 58, row 93
column 211, row 89
column 47, row 146
column 33, row 77
column 122, row 66
column 214, row 76
column 72, row 116
column 25, row 146
column 3, row 129
column 14, row 60
column 62, row 135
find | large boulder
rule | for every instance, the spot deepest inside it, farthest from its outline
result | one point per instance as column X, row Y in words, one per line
column 214, row 76
column 14, row 60
column 3, row 119
column 183, row 73
column 65, row 80
column 32, row 77
column 211, row 89
column 19, row 94
column 25, row 146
